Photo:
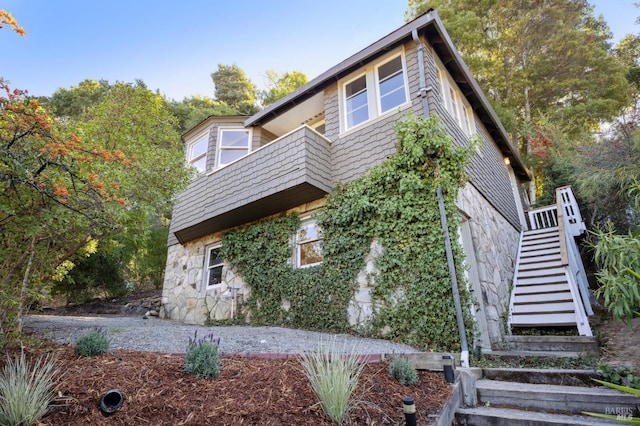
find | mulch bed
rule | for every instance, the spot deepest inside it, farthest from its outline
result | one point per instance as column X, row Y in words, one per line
column 249, row 391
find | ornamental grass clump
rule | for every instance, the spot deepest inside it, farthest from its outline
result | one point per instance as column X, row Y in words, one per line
column 26, row 390
column 403, row 371
column 201, row 358
column 94, row 343
column 334, row 377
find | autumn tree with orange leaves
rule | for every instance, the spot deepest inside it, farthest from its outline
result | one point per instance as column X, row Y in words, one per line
column 60, row 193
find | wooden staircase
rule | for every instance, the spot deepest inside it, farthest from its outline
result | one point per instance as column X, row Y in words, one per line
column 549, row 287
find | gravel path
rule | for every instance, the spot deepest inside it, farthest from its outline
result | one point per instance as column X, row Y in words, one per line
column 161, row 335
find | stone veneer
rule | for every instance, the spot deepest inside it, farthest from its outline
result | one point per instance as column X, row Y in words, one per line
column 184, row 294
column 495, row 247
column 494, row 241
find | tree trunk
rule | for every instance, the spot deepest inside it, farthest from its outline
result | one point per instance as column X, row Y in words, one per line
column 527, row 117
column 25, row 282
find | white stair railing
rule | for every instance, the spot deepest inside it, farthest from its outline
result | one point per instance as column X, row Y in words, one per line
column 571, row 225
column 543, row 217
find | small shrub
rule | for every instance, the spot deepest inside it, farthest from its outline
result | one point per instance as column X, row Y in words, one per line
column 403, row 371
column 201, row 358
column 334, row 377
column 94, row 343
column 620, row 375
column 26, row 390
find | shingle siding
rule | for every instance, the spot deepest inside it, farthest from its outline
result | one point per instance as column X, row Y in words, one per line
column 487, row 171
column 302, row 157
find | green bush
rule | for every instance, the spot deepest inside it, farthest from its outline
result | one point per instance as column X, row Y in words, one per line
column 26, row 390
column 201, row 358
column 403, row 371
column 333, row 377
column 94, row 343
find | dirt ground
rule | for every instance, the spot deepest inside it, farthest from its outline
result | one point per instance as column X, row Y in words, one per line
column 620, row 343
column 249, row 391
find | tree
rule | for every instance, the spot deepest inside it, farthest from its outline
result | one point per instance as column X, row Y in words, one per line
column 280, row 85
column 139, row 123
column 75, row 101
column 51, row 200
column 537, row 59
column 193, row 110
column 235, row 89
column 7, row 19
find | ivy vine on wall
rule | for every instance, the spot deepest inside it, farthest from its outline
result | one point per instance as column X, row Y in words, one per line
column 395, row 205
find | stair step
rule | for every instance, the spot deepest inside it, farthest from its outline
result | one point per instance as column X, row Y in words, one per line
column 540, row 245
column 557, row 271
column 543, row 320
column 546, row 376
column 555, row 398
column 553, row 250
column 521, row 299
column 540, row 258
column 537, row 308
column 535, row 354
column 538, row 239
column 553, row 279
column 541, row 231
column 553, row 343
column 539, row 265
column 490, row 416
column 542, row 288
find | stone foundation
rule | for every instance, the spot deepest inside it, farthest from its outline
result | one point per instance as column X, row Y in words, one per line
column 494, row 244
column 495, row 247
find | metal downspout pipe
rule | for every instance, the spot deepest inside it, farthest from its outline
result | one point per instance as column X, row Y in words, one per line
column 423, row 77
column 424, row 89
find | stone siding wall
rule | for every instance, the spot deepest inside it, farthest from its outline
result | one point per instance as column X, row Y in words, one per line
column 185, row 296
column 495, row 246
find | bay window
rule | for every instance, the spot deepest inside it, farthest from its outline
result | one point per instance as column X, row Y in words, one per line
column 232, row 145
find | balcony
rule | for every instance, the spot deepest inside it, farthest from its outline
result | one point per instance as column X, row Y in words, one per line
column 290, row 171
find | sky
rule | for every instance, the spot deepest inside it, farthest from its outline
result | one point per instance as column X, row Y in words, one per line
column 174, row 46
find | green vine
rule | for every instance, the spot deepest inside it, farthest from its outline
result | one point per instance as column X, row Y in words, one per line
column 396, row 206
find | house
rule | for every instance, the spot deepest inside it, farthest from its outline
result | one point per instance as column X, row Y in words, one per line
column 289, row 156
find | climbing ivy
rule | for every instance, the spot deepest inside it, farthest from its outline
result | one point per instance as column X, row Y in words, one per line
column 394, row 205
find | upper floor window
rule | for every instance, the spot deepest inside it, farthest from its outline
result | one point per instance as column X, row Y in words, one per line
column 357, row 102
column 197, row 152
column 391, row 84
column 233, row 144
column 215, row 263
column 455, row 103
column 309, row 251
column 379, row 89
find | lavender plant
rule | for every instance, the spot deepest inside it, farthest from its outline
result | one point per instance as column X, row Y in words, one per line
column 201, row 358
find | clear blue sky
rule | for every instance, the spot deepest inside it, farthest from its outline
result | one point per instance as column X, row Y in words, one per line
column 174, row 46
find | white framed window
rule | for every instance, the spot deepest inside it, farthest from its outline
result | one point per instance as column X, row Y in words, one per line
column 454, row 102
column 308, row 248
column 356, row 101
column 214, row 264
column 377, row 89
column 232, row 145
column 197, row 152
column 391, row 84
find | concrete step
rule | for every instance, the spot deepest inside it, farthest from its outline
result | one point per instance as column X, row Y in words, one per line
column 555, row 398
column 542, row 376
column 553, row 343
column 524, row 354
column 490, row 416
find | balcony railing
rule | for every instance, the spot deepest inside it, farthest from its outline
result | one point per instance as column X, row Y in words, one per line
column 290, row 171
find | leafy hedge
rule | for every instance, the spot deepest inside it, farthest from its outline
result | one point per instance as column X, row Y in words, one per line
column 395, row 205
